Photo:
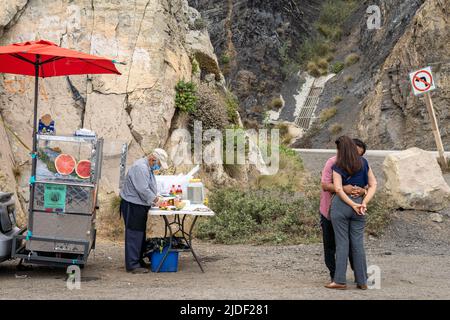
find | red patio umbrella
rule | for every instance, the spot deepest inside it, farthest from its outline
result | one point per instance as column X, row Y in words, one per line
column 45, row 59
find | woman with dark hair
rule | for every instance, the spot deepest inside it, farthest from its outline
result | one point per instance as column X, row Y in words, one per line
column 348, row 214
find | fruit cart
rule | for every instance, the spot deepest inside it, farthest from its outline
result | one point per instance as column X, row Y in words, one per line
column 61, row 221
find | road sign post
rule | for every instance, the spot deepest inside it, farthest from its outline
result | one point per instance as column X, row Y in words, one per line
column 422, row 83
column 434, row 125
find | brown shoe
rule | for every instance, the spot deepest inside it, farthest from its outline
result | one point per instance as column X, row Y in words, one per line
column 139, row 271
column 362, row 286
column 336, row 286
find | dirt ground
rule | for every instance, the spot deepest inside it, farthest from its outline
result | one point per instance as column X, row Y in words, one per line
column 413, row 255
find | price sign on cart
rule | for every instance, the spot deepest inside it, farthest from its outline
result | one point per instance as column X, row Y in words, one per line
column 422, row 81
column 55, row 196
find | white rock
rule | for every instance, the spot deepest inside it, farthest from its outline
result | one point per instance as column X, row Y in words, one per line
column 414, row 181
column 436, row 217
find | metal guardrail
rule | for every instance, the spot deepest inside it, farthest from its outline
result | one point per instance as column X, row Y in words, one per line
column 380, row 153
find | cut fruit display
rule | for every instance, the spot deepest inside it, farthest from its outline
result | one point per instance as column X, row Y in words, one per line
column 65, row 164
column 83, row 169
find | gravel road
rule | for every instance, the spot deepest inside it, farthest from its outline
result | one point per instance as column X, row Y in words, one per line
column 413, row 256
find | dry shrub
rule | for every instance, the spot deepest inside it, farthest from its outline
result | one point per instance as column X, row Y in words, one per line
column 211, row 109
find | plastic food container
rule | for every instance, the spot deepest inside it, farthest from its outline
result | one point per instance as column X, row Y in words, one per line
column 195, row 193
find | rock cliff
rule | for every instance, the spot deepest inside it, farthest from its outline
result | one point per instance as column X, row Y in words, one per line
column 377, row 103
column 156, row 40
column 251, row 39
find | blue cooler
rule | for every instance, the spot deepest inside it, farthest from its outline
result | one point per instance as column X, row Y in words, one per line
column 169, row 265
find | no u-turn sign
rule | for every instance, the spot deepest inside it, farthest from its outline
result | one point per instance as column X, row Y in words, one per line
column 422, row 81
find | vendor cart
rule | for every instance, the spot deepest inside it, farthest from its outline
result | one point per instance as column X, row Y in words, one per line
column 63, row 204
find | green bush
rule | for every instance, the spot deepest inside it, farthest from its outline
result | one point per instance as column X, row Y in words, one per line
column 261, row 216
column 313, row 69
column 335, row 12
column 337, row 67
column 332, row 32
column 115, row 203
column 327, row 114
column 322, row 63
column 290, row 175
column 232, row 103
column 351, row 59
column 276, row 103
column 199, row 24
column 337, row 100
column 195, row 67
column 284, row 132
column 312, row 49
column 211, row 109
column 225, row 59
column 379, row 213
column 335, row 129
column 186, row 99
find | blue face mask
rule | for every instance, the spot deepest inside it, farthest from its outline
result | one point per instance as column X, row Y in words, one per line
column 155, row 167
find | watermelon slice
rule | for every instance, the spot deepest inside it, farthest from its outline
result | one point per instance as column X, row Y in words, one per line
column 65, row 164
column 83, row 169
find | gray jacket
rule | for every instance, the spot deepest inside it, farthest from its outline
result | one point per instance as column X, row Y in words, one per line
column 140, row 184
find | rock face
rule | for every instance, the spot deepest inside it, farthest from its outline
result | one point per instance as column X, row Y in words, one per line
column 391, row 114
column 414, row 181
column 378, row 104
column 250, row 37
column 155, row 39
column 10, row 11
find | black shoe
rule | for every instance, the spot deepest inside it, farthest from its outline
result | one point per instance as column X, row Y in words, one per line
column 139, row 271
column 144, row 264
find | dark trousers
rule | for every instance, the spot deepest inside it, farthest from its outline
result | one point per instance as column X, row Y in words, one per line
column 329, row 246
column 349, row 236
column 135, row 218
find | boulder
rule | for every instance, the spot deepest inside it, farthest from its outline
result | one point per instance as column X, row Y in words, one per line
column 436, row 217
column 414, row 180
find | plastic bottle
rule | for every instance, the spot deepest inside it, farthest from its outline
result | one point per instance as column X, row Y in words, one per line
column 179, row 191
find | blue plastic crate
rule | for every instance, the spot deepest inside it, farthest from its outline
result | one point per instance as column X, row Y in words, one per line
column 169, row 265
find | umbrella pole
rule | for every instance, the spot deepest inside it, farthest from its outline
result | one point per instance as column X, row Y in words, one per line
column 34, row 152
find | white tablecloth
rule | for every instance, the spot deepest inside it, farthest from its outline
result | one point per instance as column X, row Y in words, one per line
column 189, row 209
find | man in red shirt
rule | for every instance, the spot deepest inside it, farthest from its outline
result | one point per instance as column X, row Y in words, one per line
column 326, row 194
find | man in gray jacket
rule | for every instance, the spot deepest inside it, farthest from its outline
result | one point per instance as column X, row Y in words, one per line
column 139, row 193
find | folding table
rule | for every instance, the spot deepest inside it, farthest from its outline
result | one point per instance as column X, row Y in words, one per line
column 178, row 224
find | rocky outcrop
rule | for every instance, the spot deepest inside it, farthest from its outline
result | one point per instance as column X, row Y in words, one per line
column 414, row 181
column 377, row 100
column 10, row 12
column 249, row 37
column 391, row 116
column 157, row 41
